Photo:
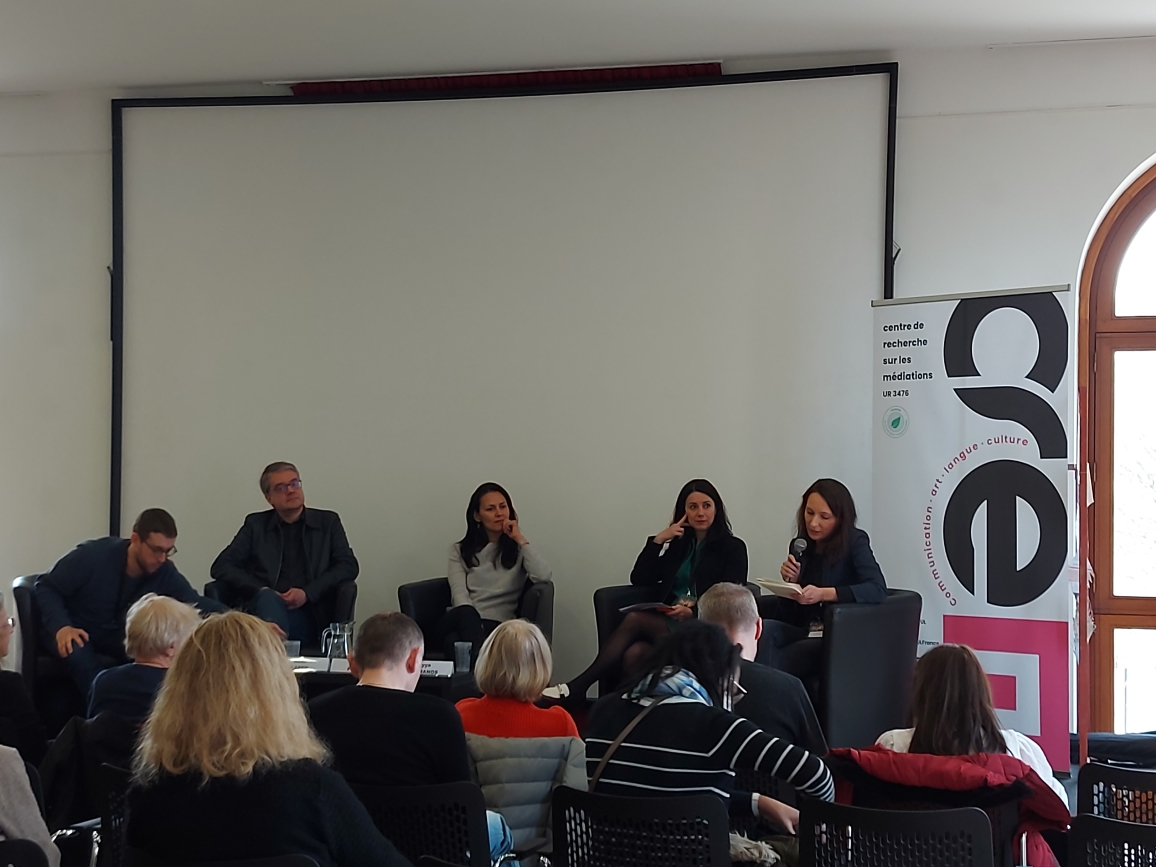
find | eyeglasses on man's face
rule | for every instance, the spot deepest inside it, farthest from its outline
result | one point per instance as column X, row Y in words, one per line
column 161, row 551
column 294, row 485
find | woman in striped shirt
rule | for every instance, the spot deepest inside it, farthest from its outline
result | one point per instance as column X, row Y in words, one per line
column 691, row 743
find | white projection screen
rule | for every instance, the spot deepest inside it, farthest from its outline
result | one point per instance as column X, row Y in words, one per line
column 589, row 298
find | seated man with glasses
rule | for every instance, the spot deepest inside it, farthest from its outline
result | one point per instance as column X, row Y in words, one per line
column 283, row 561
column 85, row 598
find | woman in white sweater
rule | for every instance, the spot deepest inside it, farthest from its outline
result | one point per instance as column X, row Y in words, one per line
column 954, row 715
column 488, row 569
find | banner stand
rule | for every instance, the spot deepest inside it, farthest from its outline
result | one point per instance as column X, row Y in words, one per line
column 971, row 449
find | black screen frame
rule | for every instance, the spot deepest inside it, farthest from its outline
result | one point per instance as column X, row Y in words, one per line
column 119, row 106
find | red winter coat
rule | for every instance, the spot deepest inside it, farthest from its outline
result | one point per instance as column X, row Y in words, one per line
column 1040, row 810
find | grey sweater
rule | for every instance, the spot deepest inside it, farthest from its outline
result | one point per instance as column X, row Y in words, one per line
column 20, row 817
column 490, row 587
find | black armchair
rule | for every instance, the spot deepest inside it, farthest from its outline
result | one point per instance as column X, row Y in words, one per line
column 426, row 601
column 868, row 668
column 607, row 616
column 337, row 606
column 868, row 665
column 53, row 691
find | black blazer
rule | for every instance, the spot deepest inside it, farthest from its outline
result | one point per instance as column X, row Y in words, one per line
column 253, row 559
column 723, row 558
column 856, row 576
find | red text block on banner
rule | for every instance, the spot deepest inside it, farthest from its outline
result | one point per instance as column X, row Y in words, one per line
column 1027, row 660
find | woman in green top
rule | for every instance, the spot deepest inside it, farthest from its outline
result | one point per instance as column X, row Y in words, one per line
column 687, row 558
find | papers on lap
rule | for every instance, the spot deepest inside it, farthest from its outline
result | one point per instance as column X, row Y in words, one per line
column 646, row 606
column 779, row 588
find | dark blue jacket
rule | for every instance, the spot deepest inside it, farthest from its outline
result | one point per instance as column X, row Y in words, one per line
column 856, row 576
column 253, row 559
column 127, row 691
column 88, row 589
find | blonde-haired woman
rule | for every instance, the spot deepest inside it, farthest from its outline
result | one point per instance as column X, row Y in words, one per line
column 155, row 628
column 514, row 666
column 228, row 768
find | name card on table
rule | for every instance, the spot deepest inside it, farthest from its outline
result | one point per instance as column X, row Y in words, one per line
column 437, row 668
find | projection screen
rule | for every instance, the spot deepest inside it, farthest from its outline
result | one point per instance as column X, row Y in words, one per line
column 590, row 298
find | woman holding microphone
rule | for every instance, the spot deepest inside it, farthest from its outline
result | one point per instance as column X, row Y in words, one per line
column 835, row 564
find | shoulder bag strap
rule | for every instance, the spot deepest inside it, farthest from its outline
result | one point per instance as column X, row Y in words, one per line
column 621, row 737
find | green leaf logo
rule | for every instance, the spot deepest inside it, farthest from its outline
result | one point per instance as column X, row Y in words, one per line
column 895, row 421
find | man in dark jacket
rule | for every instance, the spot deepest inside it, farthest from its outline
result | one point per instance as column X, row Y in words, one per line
column 775, row 701
column 84, row 599
column 283, row 561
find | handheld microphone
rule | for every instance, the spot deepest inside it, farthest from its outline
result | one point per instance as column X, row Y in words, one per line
column 798, row 548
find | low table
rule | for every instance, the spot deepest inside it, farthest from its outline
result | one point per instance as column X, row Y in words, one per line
column 314, row 679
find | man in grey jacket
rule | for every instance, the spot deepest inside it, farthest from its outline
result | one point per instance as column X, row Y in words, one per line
column 286, row 561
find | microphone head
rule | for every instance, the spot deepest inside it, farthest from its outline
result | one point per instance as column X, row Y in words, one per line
column 798, row 548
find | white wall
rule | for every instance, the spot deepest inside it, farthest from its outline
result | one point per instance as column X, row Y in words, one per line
column 1005, row 158
column 54, row 350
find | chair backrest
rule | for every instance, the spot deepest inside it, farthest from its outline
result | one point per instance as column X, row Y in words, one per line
column 593, row 830
column 833, row 835
column 137, row 858
column 36, row 786
column 112, row 792
column 1117, row 793
column 425, row 601
column 446, row 821
column 537, row 606
column 868, row 668
column 28, row 612
column 747, row 780
column 1095, row 841
column 21, row 853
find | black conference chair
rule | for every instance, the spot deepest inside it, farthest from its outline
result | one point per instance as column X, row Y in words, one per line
column 593, row 830
column 1117, row 793
column 1001, row 804
column 137, row 858
column 868, row 667
column 446, row 821
column 21, row 853
column 53, row 691
column 831, row 834
column 337, row 606
column 426, row 601
column 112, row 793
column 762, row 782
column 608, row 602
column 1096, row 841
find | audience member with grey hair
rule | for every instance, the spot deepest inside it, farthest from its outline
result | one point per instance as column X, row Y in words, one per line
column 382, row 733
column 775, row 701
column 20, row 725
column 155, row 628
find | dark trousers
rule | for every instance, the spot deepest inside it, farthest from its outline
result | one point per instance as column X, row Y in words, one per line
column 462, row 623
column 85, row 663
column 298, row 624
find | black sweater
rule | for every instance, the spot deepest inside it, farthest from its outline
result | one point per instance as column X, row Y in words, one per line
column 297, row 808
column 685, row 747
column 723, row 558
column 387, row 737
column 20, row 725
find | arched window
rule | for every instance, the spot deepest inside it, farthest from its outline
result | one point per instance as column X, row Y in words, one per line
column 1118, row 370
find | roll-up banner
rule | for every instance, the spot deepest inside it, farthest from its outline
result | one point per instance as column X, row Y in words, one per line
column 971, row 449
